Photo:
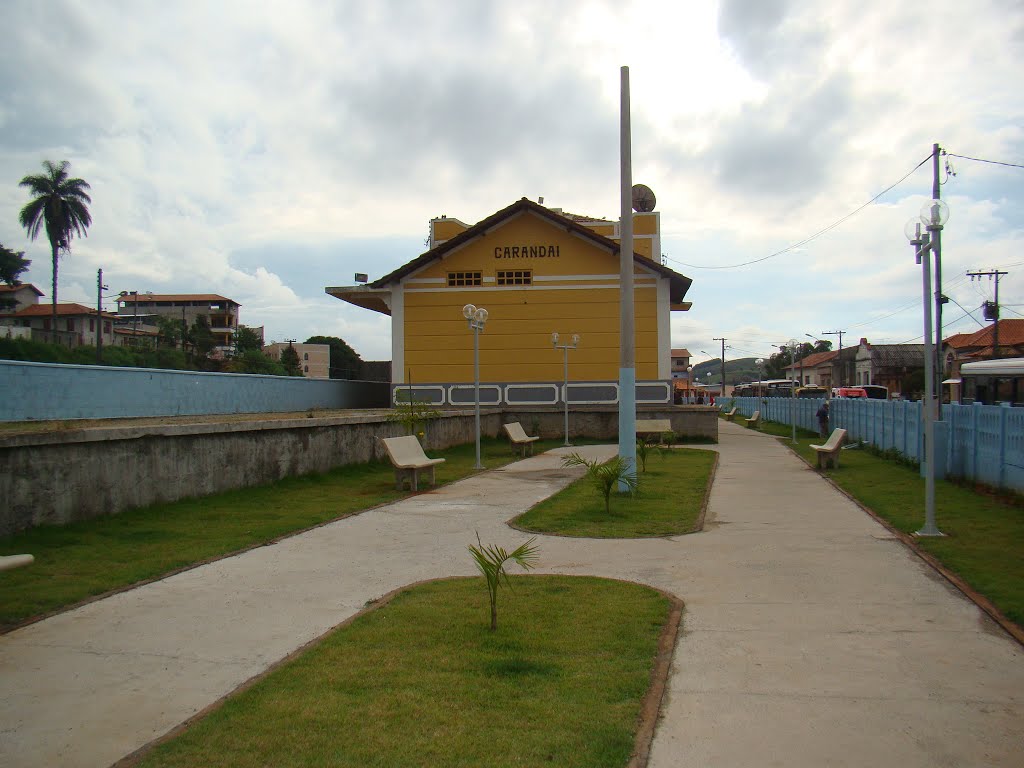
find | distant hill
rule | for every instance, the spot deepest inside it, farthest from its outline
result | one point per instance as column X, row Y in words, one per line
column 736, row 371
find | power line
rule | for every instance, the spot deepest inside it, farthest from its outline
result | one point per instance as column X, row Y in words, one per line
column 982, row 160
column 817, row 234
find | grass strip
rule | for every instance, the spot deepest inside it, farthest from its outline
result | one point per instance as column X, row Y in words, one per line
column 93, row 557
column 984, row 541
column 670, row 500
column 420, row 681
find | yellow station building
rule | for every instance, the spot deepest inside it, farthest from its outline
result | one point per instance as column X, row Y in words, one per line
column 536, row 271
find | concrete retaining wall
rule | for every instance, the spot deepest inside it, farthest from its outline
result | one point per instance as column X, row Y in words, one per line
column 49, row 391
column 77, row 474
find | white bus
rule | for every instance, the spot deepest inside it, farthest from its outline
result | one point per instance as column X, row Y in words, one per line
column 993, row 381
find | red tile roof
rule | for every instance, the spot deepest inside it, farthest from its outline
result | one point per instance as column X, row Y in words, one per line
column 130, row 298
column 816, row 358
column 64, row 310
column 680, row 353
column 13, row 288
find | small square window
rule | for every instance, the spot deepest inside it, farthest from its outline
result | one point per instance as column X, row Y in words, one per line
column 459, row 279
column 515, row 277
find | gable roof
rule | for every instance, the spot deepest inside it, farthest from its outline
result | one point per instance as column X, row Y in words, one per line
column 678, row 284
column 63, row 310
column 1011, row 333
column 20, row 287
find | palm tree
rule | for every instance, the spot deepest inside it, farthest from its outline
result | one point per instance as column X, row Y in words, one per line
column 59, row 203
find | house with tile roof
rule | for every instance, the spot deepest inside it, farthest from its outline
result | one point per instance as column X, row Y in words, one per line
column 141, row 310
column 814, row 370
column 15, row 297
column 900, row 367
column 77, row 324
column 979, row 345
column 536, row 271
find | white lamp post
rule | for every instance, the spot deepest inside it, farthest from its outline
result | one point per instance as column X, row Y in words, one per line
column 565, row 373
column 934, row 215
column 793, row 344
column 477, row 318
column 759, row 363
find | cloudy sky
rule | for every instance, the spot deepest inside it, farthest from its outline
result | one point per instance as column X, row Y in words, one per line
column 265, row 150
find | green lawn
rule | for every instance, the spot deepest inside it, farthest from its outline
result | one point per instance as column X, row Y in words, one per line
column 84, row 559
column 420, row 681
column 984, row 542
column 670, row 499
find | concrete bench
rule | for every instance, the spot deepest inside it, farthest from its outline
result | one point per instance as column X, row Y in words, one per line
column 829, row 452
column 755, row 420
column 407, row 456
column 653, row 427
column 517, row 437
column 10, row 562
column 730, row 415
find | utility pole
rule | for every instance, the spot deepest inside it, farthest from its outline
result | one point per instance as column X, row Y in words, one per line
column 842, row 365
column 723, row 363
column 627, row 324
column 994, row 315
column 100, row 287
column 939, row 298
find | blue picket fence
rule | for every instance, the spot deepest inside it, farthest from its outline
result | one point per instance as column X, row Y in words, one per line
column 984, row 443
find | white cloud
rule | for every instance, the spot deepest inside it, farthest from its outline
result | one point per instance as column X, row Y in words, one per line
column 265, row 150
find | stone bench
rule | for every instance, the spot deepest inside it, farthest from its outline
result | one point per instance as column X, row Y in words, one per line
column 518, row 438
column 407, row 456
column 9, row 562
column 829, row 452
column 647, row 428
column 730, row 415
column 755, row 420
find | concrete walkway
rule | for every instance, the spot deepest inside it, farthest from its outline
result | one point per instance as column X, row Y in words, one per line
column 811, row 637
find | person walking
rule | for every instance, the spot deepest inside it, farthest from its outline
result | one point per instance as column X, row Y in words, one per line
column 822, row 416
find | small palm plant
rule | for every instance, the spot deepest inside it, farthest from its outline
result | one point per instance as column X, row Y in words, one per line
column 605, row 476
column 491, row 560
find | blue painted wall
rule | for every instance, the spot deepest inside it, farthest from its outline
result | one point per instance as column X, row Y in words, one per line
column 43, row 391
column 985, row 442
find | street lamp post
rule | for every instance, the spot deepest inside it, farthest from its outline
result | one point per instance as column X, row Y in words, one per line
column 934, row 215
column 793, row 343
column 565, row 374
column 476, row 317
column 759, row 363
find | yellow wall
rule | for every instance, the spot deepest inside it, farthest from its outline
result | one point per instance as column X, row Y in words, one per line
column 516, row 342
column 446, row 229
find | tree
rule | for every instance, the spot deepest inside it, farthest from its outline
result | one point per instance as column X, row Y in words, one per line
column 247, row 340
column 345, row 361
column 201, row 337
column 290, row 361
column 169, row 331
column 607, row 476
column 58, row 203
column 491, row 561
column 12, row 264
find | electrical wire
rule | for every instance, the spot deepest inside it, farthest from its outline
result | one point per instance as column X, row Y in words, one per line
column 967, row 311
column 817, row 234
column 981, row 160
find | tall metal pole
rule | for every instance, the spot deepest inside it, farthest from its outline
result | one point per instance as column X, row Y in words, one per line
column 927, row 407
column 792, row 389
column 476, row 391
column 839, row 357
column 565, row 388
column 99, row 316
column 723, row 363
column 936, row 236
column 627, row 354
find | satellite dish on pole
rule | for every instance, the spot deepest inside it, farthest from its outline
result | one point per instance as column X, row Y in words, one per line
column 643, row 198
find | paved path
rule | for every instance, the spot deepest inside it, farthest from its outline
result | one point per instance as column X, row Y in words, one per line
column 811, row 637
